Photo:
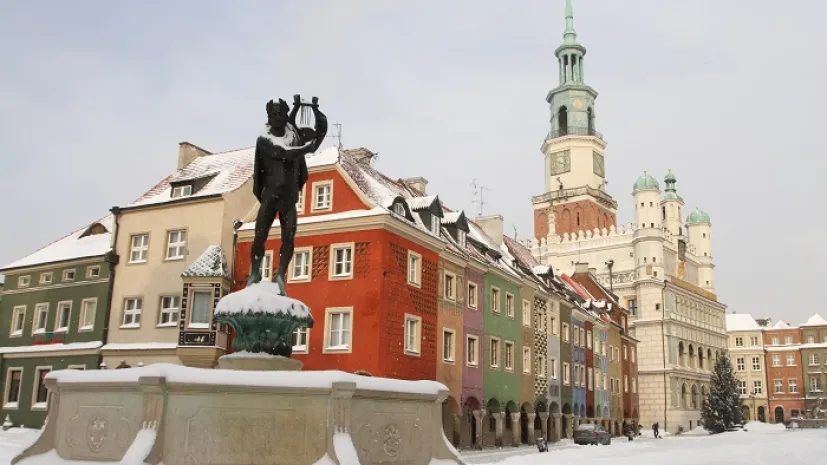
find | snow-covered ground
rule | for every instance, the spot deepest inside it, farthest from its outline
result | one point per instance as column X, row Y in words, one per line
column 759, row 445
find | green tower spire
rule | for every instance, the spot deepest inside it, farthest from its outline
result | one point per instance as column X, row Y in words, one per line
column 570, row 36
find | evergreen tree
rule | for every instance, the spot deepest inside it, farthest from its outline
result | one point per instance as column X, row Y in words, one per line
column 722, row 408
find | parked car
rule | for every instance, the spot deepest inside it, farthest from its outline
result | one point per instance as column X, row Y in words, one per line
column 592, row 434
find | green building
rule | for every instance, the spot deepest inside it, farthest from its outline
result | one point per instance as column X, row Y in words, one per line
column 53, row 316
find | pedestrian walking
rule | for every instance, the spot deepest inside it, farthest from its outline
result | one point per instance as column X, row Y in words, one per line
column 655, row 430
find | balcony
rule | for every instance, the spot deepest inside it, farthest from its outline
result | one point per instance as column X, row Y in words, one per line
column 574, row 131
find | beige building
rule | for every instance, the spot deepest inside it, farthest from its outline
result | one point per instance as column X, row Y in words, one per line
column 175, row 247
column 746, row 350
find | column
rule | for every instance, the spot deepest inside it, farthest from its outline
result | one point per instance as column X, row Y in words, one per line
column 498, row 429
column 457, row 426
column 575, row 69
column 558, row 427
column 571, row 425
column 530, row 432
column 544, row 424
column 516, row 426
column 478, row 417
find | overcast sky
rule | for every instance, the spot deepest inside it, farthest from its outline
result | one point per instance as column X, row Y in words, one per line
column 95, row 96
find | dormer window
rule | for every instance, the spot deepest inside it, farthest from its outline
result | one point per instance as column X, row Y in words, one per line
column 435, row 225
column 461, row 237
column 399, row 209
column 181, row 191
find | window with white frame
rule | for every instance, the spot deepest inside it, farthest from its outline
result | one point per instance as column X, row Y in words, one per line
column 553, row 324
column 413, row 334
column 625, row 383
column 588, row 339
column 341, row 265
column 788, row 340
column 41, row 315
column 181, row 191
column 632, row 350
column 509, row 355
column 813, row 359
column 64, row 316
column 590, row 379
column 399, row 209
column 541, row 366
column 634, row 385
column 448, row 339
column 46, row 278
column 576, row 337
column 88, row 313
column 495, row 352
column 625, row 352
column 774, row 341
column 753, row 341
column 300, row 267
column 170, row 305
column 267, row 266
column 472, row 295
column 742, row 387
column 68, row 276
column 93, row 272
column 495, row 300
column 11, row 398
column 810, row 339
column 300, row 201
column 139, row 246
column 132, row 312
column 779, row 386
column 552, row 368
column 565, row 332
column 509, row 305
column 792, row 386
column 414, row 268
column 322, row 196
column 757, row 387
column 566, row 373
column 176, row 244
column 449, row 286
column 471, row 350
column 40, row 397
column 201, row 302
column 527, row 360
column 338, row 334
column 435, row 225
column 790, row 360
column 18, row 320
column 740, row 364
column 739, row 341
column 24, row 281
column 526, row 313
column 756, row 363
column 461, row 237
column 300, row 339
column 776, row 360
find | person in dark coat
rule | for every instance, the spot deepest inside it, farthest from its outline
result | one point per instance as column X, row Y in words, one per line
column 655, row 430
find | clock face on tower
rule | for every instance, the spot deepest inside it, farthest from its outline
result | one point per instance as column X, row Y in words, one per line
column 599, row 169
column 560, row 162
column 578, row 104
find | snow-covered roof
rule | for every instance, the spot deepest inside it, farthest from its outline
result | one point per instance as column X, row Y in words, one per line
column 815, row 320
column 421, row 203
column 451, row 217
column 324, row 157
column 51, row 347
column 781, row 324
column 741, row 322
column 75, row 246
column 322, row 218
column 211, row 264
column 229, row 170
column 140, row 346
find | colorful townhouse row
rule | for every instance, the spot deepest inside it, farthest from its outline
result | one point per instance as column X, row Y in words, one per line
column 781, row 369
column 400, row 285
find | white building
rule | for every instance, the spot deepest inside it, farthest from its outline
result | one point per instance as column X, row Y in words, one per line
column 746, row 351
column 660, row 266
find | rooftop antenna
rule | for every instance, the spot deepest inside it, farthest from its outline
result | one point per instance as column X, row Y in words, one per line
column 338, row 134
column 478, row 190
column 515, row 231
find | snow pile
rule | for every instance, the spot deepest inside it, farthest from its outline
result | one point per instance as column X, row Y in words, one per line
column 345, row 451
column 211, row 264
column 697, row 431
column 262, row 298
column 286, row 141
column 757, row 426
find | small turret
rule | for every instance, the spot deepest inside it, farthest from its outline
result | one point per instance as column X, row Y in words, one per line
column 671, row 207
column 647, row 202
column 699, row 228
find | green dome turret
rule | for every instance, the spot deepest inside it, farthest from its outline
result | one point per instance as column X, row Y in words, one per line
column 646, row 182
column 670, row 178
column 671, row 190
column 698, row 217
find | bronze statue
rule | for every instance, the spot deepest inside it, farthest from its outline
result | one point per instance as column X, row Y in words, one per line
column 279, row 174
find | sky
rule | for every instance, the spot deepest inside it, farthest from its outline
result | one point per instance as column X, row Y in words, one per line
column 96, row 96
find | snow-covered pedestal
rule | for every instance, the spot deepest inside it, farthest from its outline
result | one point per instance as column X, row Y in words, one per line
column 248, row 361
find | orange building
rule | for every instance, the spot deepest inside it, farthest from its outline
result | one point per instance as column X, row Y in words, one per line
column 785, row 380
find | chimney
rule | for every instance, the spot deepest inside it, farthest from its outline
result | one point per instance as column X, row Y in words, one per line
column 493, row 226
column 361, row 155
column 418, row 183
column 581, row 267
column 188, row 152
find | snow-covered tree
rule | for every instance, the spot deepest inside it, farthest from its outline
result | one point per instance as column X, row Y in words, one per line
column 722, row 409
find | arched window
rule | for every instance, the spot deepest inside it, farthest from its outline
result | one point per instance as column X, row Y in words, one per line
column 563, row 121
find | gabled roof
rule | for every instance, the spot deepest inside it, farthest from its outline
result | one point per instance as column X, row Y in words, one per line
column 211, row 264
column 229, row 170
column 86, row 242
column 815, row 320
column 741, row 322
column 781, row 324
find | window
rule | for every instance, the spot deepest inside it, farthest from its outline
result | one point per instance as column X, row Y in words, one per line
column 576, row 332
column 553, row 324
column 322, row 196
column 68, row 275
column 461, row 237
column 526, row 314
column 810, row 339
column 742, row 387
column 605, row 381
column 200, row 309
column 527, row 360
column 64, row 313
column 790, row 360
column 739, row 364
column 300, row 338
column 435, row 224
column 509, row 305
column 552, row 368
column 139, row 247
column 40, row 396
column 590, row 380
column 24, row 281
column 267, row 266
column 566, row 373
column 181, row 191
column 93, row 272
column 471, row 350
column 788, row 340
column 756, row 363
column 176, row 244
column 757, row 387
column 634, row 385
column 341, row 264
column 739, row 341
column 448, row 337
column 300, row 268
column 412, row 334
column 495, row 352
column 774, row 341
column 815, row 383
column 132, row 312
column 414, row 268
column 41, row 314
column 792, row 385
column 633, row 355
column 779, row 386
column 18, row 320
column 625, row 383
column 813, row 360
column 46, row 278
column 776, row 360
column 541, row 366
column 450, row 286
column 565, row 332
column 399, row 209
column 88, row 312
column 300, row 201
column 753, row 341
column 495, row 300
column 169, row 310
column 582, row 337
column 588, row 339
column 509, row 356
column 472, row 295
column 12, row 386
column 338, row 330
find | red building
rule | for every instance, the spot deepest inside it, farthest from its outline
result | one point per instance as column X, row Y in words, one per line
column 785, row 375
column 366, row 263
